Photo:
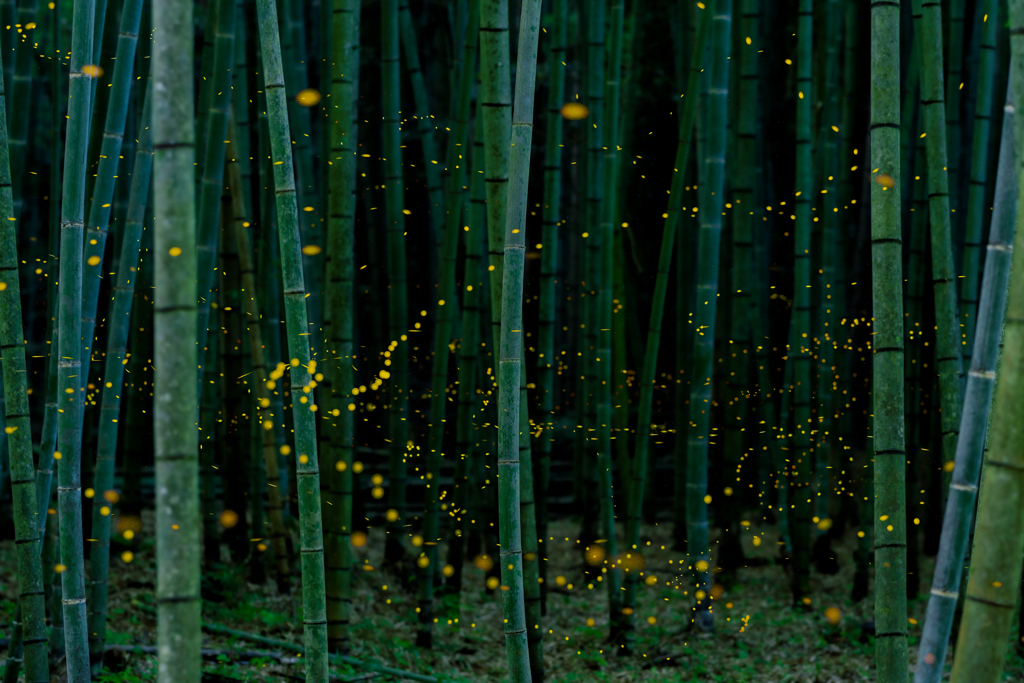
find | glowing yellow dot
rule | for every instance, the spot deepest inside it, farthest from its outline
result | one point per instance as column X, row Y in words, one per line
column 707, row 499
column 311, row 250
column 391, row 515
column 94, row 260
column 127, row 556
column 89, row 493
column 574, row 111
column 105, row 511
column 303, row 459
column 308, row 97
column 174, row 251
column 57, row 455
column 358, row 539
column 92, row 70
column 128, row 534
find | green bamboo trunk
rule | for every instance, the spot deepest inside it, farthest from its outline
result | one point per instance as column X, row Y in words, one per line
column 444, row 311
column 998, row 549
column 710, row 215
column 981, row 381
column 547, row 362
column 976, row 193
column 397, row 295
column 509, row 395
column 887, row 348
column 927, row 28
column 954, row 82
column 71, row 389
column 175, row 398
column 113, row 382
column 339, row 299
column 496, row 98
column 21, row 91
column 303, row 368
column 800, row 343
column 18, row 432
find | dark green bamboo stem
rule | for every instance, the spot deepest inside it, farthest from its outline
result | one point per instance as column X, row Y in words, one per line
column 302, row 367
column 113, row 382
column 70, row 385
column 928, row 28
column 397, row 295
column 18, row 432
column 887, row 349
column 338, row 318
column 706, row 304
column 954, row 57
column 981, row 382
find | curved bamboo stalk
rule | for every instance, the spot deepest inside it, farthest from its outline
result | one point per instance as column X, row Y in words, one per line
column 509, row 394
column 981, row 381
column 303, row 368
column 712, row 196
column 887, row 349
column 106, row 179
column 18, row 431
column 397, row 295
column 113, row 376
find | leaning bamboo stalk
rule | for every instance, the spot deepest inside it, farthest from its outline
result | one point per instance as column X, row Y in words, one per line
column 106, row 178
column 509, row 402
column 647, row 376
column 981, row 384
column 17, row 428
column 887, row 349
column 250, row 307
column 458, row 151
column 113, row 376
column 70, row 385
column 303, row 368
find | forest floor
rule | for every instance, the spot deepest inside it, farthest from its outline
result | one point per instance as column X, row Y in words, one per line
column 758, row 635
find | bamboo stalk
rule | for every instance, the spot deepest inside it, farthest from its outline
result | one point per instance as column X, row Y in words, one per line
column 175, row 395
column 113, row 376
column 303, row 368
column 887, row 349
column 981, row 384
column 18, row 431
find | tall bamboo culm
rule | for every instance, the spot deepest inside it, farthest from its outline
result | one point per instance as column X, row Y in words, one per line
column 981, row 384
column 338, row 316
column 397, row 295
column 711, row 203
column 509, row 403
column 175, row 398
column 113, row 382
column 887, row 349
column 70, row 386
column 303, row 368
column 993, row 587
column 18, row 432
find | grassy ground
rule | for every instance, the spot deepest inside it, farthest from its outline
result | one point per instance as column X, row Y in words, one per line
column 758, row 637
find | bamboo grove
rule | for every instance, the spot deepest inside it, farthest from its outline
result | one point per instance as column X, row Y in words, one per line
column 483, row 316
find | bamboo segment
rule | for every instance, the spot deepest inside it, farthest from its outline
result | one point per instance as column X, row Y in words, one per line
column 113, row 378
column 397, row 295
column 338, row 319
column 927, row 28
column 954, row 82
column 509, row 394
column 981, row 383
column 303, row 368
column 18, row 432
column 444, row 311
column 711, row 204
column 175, row 396
column 887, row 349
column 647, row 377
column 69, row 439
